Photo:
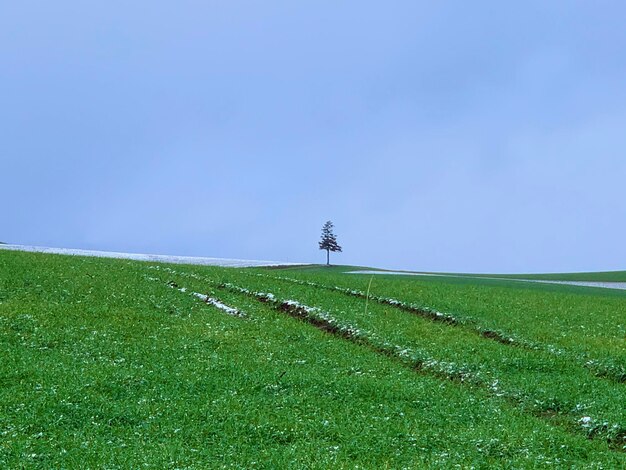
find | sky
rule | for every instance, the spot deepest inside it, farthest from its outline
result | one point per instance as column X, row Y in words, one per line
column 437, row 136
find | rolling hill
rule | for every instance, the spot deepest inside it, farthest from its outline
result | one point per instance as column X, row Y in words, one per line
column 123, row 363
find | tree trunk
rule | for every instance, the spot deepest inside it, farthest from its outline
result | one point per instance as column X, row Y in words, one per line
column 327, row 257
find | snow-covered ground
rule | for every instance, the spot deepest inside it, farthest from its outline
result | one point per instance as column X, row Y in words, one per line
column 231, row 263
column 606, row 285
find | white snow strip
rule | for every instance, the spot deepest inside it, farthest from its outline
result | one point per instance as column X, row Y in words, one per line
column 205, row 298
column 606, row 285
column 216, row 303
column 224, row 307
column 224, row 262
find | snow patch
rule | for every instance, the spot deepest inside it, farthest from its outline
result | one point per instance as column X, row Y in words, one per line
column 205, row 298
column 604, row 285
column 224, row 262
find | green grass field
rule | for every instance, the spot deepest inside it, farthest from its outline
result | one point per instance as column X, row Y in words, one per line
column 605, row 276
column 600, row 276
column 116, row 364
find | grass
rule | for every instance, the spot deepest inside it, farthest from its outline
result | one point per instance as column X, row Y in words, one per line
column 105, row 365
column 586, row 321
column 596, row 276
column 601, row 276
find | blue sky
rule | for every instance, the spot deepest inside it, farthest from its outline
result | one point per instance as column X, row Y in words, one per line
column 445, row 136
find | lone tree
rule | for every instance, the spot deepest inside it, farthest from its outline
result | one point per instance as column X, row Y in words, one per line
column 329, row 241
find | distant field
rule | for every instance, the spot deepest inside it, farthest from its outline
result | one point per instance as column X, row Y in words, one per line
column 606, row 276
column 600, row 276
column 127, row 364
column 203, row 261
